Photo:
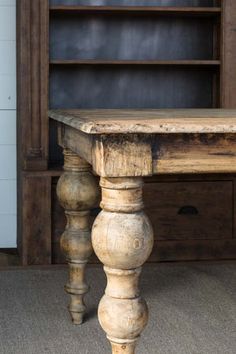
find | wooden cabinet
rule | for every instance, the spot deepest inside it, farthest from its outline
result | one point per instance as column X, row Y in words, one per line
column 161, row 55
column 190, row 210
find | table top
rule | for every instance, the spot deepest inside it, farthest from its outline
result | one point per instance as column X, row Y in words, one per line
column 127, row 121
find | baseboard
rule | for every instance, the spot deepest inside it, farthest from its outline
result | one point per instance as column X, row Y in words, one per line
column 9, row 257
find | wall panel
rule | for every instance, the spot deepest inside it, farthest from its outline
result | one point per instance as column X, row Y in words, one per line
column 8, row 123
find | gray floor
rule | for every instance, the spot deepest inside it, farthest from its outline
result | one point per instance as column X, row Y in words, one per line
column 192, row 311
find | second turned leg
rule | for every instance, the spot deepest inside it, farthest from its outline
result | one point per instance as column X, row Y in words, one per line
column 78, row 192
column 122, row 239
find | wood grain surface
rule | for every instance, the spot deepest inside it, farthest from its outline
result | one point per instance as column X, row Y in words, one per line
column 125, row 121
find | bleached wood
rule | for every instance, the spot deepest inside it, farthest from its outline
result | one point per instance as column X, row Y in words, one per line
column 78, row 193
column 182, row 145
column 122, row 238
column 123, row 121
column 122, row 146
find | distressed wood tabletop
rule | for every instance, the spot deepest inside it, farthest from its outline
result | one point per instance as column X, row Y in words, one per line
column 125, row 121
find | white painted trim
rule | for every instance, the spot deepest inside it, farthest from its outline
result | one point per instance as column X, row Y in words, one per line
column 8, row 198
column 8, row 23
column 8, row 182
column 7, row 91
column 8, row 3
column 7, row 127
column 7, row 57
column 7, row 162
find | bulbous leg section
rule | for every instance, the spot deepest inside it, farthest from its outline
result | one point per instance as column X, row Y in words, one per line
column 77, row 192
column 131, row 317
column 122, row 238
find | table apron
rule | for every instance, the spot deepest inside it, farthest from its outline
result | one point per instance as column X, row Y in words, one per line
column 124, row 155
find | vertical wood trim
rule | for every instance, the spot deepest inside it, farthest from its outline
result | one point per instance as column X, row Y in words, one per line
column 228, row 54
column 35, row 245
column 216, row 56
column 34, row 188
column 32, row 87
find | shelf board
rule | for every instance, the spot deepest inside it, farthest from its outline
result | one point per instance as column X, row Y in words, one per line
column 161, row 10
column 138, row 62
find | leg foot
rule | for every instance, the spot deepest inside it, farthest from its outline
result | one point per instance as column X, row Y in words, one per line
column 124, row 348
column 77, row 288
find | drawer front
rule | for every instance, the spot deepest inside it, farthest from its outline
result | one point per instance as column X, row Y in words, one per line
column 190, row 210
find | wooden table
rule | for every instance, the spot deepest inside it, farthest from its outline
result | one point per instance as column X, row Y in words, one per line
column 122, row 146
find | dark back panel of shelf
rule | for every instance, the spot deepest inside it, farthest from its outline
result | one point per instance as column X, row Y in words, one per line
column 134, row 2
column 98, row 36
column 129, row 87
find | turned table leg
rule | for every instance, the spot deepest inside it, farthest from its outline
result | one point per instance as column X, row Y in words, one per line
column 77, row 192
column 122, row 238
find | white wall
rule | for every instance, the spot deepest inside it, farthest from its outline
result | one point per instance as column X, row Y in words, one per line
column 7, row 123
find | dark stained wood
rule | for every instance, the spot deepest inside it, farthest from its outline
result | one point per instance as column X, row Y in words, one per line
column 228, row 54
column 181, row 211
column 234, row 207
column 9, row 258
column 35, row 246
column 32, row 84
column 34, row 197
column 216, row 55
column 136, row 62
column 160, row 10
column 189, row 250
